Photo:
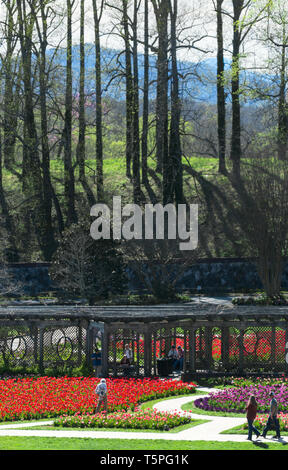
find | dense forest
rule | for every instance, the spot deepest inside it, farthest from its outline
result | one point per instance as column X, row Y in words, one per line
column 170, row 110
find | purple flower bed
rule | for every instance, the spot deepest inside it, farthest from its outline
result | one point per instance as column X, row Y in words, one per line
column 234, row 400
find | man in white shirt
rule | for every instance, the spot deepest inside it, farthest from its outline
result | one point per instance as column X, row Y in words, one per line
column 101, row 391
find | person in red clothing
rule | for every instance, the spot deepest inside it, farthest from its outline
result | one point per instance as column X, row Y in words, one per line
column 251, row 412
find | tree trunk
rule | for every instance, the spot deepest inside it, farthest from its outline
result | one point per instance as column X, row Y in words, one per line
column 69, row 182
column 270, row 270
column 98, row 70
column 221, row 108
column 173, row 181
column 145, row 114
column 12, row 254
column 10, row 117
column 47, row 192
column 235, row 85
column 81, row 150
column 129, row 91
column 282, row 110
column 161, row 9
column 31, row 167
column 136, row 139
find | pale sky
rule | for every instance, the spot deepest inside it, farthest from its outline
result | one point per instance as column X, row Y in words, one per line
column 197, row 19
column 197, row 22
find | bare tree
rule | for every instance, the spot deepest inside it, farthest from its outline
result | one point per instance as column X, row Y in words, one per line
column 31, row 166
column 221, row 95
column 135, row 113
column 41, row 19
column 11, row 93
column 129, row 89
column 161, row 9
column 262, row 213
column 175, row 151
column 69, row 180
column 87, row 268
column 81, row 148
column 244, row 16
column 275, row 35
column 98, row 14
column 158, row 264
column 145, row 114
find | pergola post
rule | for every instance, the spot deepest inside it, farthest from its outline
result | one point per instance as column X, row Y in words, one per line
column 225, row 347
column 286, row 348
column 185, row 351
column 105, row 346
column 273, row 346
column 208, row 346
column 89, row 344
column 241, row 350
column 147, row 351
column 192, row 350
column 41, row 350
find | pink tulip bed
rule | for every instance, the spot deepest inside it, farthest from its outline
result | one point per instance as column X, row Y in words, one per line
column 138, row 419
column 261, row 420
column 234, row 400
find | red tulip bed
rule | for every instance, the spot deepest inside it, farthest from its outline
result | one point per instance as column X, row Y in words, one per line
column 49, row 397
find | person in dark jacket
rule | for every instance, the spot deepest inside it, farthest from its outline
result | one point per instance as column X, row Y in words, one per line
column 251, row 412
column 272, row 419
column 96, row 361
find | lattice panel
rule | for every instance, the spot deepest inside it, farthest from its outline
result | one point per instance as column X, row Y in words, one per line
column 234, row 346
column 116, row 348
column 264, row 346
column 63, row 346
column 200, row 355
column 17, row 347
column 207, row 348
column 216, row 343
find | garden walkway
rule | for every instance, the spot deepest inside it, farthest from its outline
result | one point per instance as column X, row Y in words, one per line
column 209, row 431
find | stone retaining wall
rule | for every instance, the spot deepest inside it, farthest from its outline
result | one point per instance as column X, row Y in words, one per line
column 206, row 276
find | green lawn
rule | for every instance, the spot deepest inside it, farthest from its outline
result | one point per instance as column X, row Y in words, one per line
column 241, row 431
column 194, row 422
column 115, row 179
column 58, row 443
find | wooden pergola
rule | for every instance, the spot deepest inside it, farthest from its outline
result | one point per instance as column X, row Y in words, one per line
column 216, row 338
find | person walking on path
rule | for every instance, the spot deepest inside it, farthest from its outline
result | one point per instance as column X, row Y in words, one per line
column 101, row 391
column 251, row 412
column 272, row 419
